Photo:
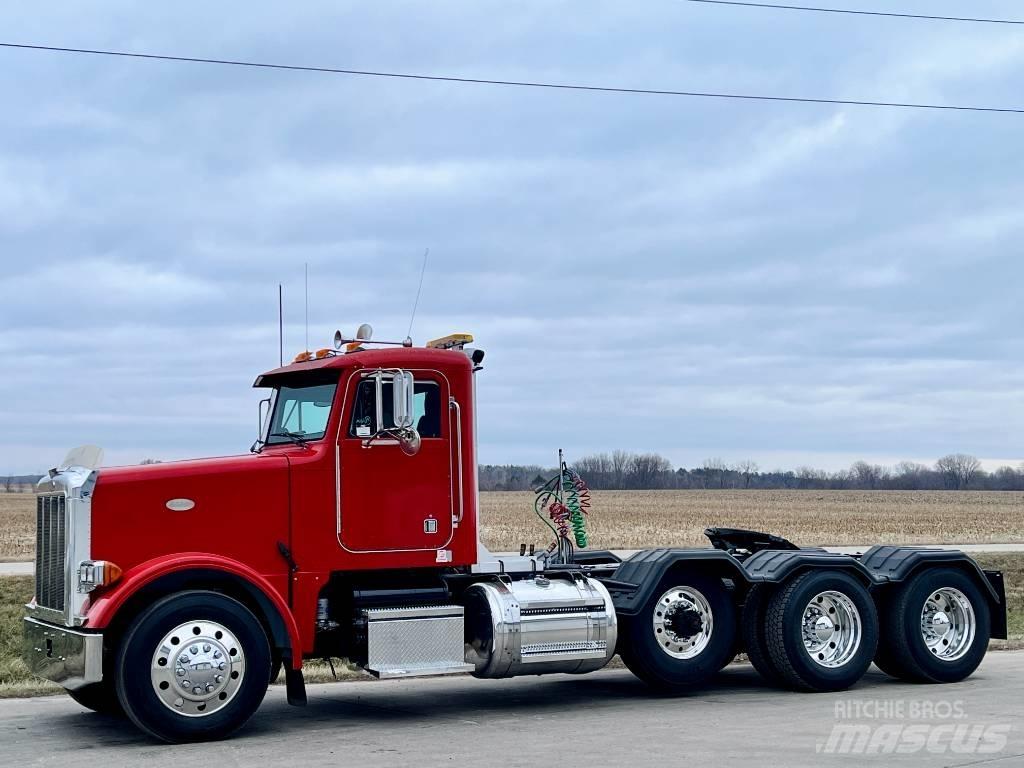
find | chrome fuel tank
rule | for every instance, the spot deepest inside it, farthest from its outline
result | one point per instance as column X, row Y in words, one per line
column 539, row 625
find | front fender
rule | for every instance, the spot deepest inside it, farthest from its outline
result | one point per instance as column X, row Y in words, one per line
column 103, row 609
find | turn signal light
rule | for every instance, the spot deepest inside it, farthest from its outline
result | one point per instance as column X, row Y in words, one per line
column 97, row 573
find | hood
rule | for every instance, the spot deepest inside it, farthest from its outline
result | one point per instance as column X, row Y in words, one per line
column 213, row 506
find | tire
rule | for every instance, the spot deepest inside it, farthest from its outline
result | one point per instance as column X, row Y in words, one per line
column 905, row 652
column 840, row 642
column 698, row 604
column 752, row 623
column 212, row 680
column 99, row 697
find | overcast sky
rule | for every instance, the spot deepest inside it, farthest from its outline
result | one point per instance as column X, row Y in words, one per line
column 796, row 284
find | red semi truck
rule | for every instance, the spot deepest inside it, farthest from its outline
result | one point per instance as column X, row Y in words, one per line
column 173, row 593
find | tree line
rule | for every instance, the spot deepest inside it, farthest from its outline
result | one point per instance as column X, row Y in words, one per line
column 624, row 470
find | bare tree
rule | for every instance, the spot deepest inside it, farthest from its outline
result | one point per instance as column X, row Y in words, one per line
column 620, row 466
column 958, row 469
column 9, row 484
column 648, row 470
column 748, row 469
column 867, row 475
column 714, row 472
column 596, row 469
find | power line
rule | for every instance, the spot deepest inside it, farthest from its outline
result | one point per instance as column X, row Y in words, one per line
column 512, row 83
column 852, row 12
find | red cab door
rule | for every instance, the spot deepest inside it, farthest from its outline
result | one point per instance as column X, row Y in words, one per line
column 391, row 501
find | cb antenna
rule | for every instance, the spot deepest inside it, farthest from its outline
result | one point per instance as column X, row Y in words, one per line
column 415, row 304
column 307, row 306
column 280, row 326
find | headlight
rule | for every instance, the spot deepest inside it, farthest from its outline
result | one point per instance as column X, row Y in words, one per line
column 97, row 573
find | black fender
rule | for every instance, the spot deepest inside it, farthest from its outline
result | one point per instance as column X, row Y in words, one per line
column 635, row 580
column 774, row 566
column 894, row 565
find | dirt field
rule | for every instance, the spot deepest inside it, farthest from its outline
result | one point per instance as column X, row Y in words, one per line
column 17, row 526
column 636, row 519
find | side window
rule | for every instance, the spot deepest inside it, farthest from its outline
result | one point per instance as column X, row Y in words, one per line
column 364, row 412
column 426, row 403
column 426, row 409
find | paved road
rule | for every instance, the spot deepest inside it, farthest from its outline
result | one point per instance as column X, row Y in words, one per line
column 27, row 569
column 601, row 720
column 17, row 569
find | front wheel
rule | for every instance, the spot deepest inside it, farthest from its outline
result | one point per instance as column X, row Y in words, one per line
column 193, row 667
column 684, row 634
column 99, row 697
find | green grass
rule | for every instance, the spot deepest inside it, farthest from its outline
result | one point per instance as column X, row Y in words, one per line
column 15, row 679
column 15, row 591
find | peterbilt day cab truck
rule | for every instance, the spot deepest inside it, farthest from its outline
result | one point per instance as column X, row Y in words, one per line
column 174, row 593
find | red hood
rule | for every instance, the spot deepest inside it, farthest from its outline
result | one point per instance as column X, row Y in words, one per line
column 201, row 505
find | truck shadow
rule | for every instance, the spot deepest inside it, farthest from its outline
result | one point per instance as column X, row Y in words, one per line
column 465, row 700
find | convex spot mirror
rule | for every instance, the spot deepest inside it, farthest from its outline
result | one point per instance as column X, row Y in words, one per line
column 402, row 390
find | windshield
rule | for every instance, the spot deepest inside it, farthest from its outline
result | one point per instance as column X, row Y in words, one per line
column 300, row 413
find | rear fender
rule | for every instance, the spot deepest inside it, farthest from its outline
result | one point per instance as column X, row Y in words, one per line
column 776, row 566
column 638, row 577
column 145, row 582
column 894, row 565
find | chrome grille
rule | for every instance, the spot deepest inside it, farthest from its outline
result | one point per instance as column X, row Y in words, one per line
column 50, row 550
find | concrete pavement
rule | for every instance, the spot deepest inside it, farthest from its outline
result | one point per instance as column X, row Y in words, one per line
column 603, row 719
column 17, row 569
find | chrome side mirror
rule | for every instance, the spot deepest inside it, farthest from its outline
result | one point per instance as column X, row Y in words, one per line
column 402, row 414
column 402, row 392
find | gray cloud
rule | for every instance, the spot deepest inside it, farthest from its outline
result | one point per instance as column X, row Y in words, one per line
column 787, row 282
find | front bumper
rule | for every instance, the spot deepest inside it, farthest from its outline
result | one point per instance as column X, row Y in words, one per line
column 66, row 656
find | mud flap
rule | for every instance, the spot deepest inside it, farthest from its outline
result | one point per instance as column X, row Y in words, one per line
column 295, row 686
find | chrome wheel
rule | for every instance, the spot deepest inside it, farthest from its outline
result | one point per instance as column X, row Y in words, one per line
column 682, row 622
column 197, row 668
column 831, row 629
column 948, row 625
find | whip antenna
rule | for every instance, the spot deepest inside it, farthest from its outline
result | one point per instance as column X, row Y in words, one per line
column 415, row 304
column 280, row 326
column 307, row 306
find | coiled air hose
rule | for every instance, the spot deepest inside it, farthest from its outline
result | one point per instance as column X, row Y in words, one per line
column 566, row 499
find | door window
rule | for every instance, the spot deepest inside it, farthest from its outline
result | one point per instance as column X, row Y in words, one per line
column 426, row 409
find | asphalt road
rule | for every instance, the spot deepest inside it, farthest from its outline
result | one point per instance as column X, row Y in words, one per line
column 602, row 720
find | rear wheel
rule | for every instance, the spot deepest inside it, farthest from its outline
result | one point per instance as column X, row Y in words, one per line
column 99, row 697
column 193, row 667
column 753, row 623
column 821, row 631
column 685, row 633
column 935, row 629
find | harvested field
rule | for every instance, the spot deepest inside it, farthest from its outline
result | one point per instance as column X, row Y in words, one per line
column 17, row 526
column 638, row 519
